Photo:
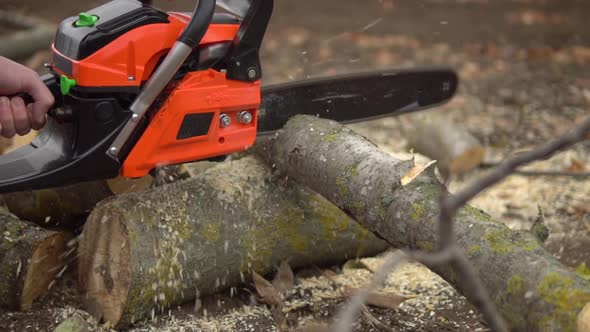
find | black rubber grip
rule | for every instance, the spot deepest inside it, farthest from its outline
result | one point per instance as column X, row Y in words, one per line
column 25, row 97
column 199, row 23
column 59, row 115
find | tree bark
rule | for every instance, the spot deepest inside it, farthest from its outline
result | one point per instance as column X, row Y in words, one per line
column 531, row 288
column 68, row 206
column 30, row 259
column 452, row 146
column 141, row 253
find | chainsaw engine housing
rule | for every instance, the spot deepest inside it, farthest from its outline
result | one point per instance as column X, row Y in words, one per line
column 100, row 62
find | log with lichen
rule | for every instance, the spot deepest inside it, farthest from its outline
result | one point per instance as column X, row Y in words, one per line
column 533, row 291
column 31, row 258
column 141, row 253
column 68, row 206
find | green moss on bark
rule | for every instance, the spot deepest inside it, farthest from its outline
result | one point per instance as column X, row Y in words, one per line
column 502, row 240
column 567, row 299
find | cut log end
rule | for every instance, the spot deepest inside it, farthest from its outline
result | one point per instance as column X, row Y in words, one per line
column 142, row 253
column 584, row 319
column 106, row 255
column 30, row 259
column 47, row 261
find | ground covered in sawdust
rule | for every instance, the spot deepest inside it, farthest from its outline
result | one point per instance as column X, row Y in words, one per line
column 525, row 77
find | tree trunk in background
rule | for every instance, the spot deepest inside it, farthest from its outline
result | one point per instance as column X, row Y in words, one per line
column 30, row 259
column 531, row 288
column 144, row 252
column 452, row 146
column 32, row 35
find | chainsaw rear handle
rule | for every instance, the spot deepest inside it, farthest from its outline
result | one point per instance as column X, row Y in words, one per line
column 54, row 111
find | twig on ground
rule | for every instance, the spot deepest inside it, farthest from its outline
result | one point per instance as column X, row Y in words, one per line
column 344, row 320
column 580, row 175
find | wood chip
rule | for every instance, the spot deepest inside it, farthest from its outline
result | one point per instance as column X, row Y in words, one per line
column 414, row 172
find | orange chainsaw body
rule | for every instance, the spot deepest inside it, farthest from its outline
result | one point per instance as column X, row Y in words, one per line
column 200, row 95
column 204, row 96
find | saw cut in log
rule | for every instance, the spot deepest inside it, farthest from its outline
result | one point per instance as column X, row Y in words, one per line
column 533, row 290
column 450, row 144
column 30, row 259
column 68, row 206
column 141, row 253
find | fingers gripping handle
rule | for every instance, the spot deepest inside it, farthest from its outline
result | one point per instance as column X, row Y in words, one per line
column 51, row 82
column 60, row 115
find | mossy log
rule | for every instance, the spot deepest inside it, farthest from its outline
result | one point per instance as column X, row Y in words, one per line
column 450, row 144
column 533, row 291
column 30, row 259
column 68, row 206
column 141, row 253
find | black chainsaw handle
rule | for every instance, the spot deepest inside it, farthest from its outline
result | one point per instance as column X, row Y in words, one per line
column 199, row 23
column 60, row 115
column 54, row 111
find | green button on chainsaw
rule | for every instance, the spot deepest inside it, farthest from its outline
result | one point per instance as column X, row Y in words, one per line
column 65, row 84
column 86, row 20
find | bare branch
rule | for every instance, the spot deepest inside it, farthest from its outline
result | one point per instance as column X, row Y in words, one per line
column 451, row 204
column 506, row 168
column 345, row 319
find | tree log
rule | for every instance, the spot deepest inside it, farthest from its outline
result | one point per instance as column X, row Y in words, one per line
column 30, row 259
column 141, row 253
column 533, row 291
column 452, row 146
column 68, row 206
column 32, row 35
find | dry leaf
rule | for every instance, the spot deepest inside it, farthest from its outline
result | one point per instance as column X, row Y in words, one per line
column 582, row 208
column 266, row 290
column 414, row 172
column 381, row 300
column 284, row 280
column 576, row 166
column 329, row 273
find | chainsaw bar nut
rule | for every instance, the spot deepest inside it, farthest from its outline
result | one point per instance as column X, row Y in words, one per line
column 224, row 120
column 244, row 117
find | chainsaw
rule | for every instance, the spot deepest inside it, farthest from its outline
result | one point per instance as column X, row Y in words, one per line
column 137, row 88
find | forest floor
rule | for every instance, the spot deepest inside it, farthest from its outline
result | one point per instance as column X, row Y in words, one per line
column 524, row 67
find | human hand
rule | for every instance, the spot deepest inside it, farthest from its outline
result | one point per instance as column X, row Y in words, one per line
column 15, row 116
